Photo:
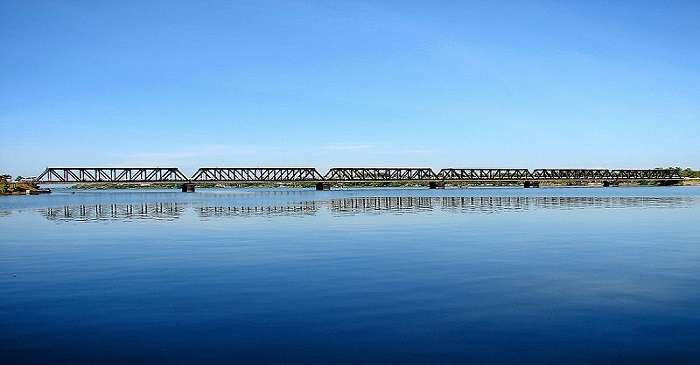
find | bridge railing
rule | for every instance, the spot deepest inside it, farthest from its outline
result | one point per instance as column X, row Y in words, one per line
column 62, row 175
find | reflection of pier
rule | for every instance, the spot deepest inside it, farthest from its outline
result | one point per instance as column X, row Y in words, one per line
column 498, row 204
column 363, row 205
column 307, row 208
column 382, row 204
column 96, row 212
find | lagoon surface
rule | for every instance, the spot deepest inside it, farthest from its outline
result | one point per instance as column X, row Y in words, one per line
column 364, row 276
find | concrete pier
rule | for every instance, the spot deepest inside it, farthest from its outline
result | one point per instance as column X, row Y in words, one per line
column 436, row 185
column 323, row 186
column 188, row 188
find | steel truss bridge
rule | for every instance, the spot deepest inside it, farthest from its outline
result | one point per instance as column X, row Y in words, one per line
column 67, row 175
column 244, row 175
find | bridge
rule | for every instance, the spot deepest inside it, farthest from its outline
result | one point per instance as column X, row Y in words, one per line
column 247, row 175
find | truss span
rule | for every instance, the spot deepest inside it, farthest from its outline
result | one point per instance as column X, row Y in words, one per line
column 556, row 175
column 380, row 174
column 607, row 175
column 254, row 175
column 484, row 174
column 69, row 175
column 658, row 174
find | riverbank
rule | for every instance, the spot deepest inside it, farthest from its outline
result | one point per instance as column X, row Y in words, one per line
column 297, row 185
column 21, row 188
column 120, row 186
column 693, row 181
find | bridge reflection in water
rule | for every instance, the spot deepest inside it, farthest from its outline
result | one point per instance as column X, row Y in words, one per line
column 306, row 208
column 361, row 205
column 158, row 211
column 498, row 204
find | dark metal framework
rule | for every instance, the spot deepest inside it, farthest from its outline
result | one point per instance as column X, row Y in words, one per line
column 658, row 174
column 485, row 174
column 556, row 174
column 571, row 174
column 380, row 174
column 63, row 175
column 600, row 174
column 248, row 175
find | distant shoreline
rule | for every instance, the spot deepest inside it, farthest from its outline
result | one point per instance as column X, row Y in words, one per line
column 115, row 186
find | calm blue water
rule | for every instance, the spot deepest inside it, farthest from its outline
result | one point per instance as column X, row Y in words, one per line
column 376, row 276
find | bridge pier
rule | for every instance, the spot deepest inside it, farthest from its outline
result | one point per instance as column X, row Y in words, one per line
column 668, row 182
column 320, row 186
column 436, row 185
column 188, row 188
column 531, row 184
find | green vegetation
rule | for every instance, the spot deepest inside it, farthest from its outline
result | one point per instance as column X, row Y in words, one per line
column 4, row 185
column 684, row 172
column 687, row 172
column 105, row 186
column 379, row 184
column 8, row 187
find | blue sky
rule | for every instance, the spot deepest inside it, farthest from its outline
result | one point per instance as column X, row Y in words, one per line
column 331, row 83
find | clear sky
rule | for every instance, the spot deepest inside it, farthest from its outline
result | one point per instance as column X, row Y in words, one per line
column 359, row 83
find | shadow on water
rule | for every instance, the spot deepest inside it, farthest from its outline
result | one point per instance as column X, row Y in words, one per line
column 353, row 206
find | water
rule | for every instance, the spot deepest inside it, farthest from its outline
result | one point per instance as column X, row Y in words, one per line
column 375, row 276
